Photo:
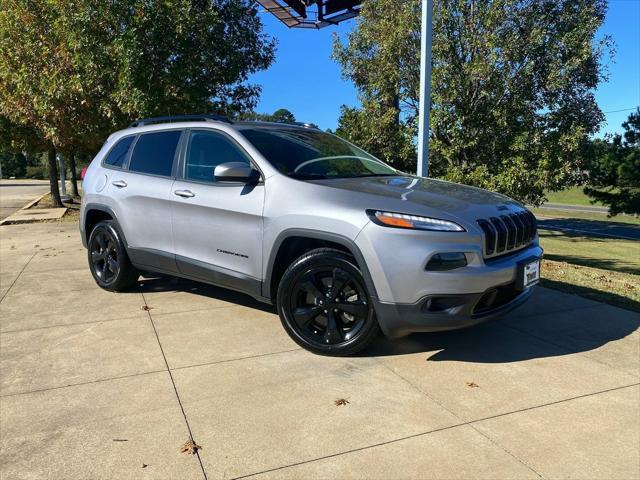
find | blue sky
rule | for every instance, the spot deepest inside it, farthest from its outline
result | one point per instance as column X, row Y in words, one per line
column 306, row 81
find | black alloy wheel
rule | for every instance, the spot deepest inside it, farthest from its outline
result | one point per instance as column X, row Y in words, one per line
column 324, row 304
column 104, row 256
column 108, row 259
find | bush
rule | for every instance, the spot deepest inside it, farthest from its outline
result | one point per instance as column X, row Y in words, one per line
column 37, row 172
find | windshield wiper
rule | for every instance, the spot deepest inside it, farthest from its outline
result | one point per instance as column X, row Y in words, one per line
column 377, row 175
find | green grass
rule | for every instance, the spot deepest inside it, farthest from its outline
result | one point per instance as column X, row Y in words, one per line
column 571, row 196
column 604, row 253
column 605, row 270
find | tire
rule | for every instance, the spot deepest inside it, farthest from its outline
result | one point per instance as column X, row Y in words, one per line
column 321, row 317
column 108, row 259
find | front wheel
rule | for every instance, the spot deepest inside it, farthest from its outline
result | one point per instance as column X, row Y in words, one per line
column 324, row 304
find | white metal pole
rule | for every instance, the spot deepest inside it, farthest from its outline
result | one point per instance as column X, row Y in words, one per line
column 425, row 88
column 63, row 178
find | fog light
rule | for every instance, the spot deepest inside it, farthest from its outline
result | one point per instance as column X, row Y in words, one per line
column 447, row 261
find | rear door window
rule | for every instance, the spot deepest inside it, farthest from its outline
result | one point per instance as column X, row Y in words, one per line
column 118, row 154
column 154, row 153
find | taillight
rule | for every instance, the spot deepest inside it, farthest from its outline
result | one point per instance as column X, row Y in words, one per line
column 83, row 173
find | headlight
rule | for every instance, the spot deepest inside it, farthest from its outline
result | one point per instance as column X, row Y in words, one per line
column 415, row 222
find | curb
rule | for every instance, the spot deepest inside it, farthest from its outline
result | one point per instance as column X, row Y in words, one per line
column 8, row 221
column 33, row 202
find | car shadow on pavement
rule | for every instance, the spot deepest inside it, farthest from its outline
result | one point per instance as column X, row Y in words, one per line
column 160, row 283
column 513, row 339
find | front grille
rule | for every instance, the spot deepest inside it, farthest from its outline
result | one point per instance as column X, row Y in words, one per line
column 508, row 233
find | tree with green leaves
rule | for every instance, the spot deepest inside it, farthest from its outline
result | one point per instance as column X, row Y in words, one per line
column 13, row 164
column 614, row 175
column 74, row 71
column 512, row 88
column 282, row 115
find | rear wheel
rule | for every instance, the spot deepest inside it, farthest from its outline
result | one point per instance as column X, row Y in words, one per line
column 324, row 304
column 108, row 259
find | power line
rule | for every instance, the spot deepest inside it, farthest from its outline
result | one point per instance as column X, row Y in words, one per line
column 621, row 110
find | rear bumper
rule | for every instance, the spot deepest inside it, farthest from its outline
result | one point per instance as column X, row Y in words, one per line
column 435, row 313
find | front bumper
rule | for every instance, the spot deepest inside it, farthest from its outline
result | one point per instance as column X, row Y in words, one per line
column 435, row 313
column 397, row 261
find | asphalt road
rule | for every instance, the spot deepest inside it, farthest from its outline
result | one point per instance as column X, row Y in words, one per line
column 15, row 194
column 576, row 208
column 591, row 228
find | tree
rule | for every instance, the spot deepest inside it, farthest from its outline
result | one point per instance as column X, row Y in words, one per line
column 13, row 164
column 614, row 175
column 282, row 115
column 76, row 70
column 512, row 88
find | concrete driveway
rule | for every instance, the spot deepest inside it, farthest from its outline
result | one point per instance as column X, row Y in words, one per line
column 15, row 194
column 95, row 386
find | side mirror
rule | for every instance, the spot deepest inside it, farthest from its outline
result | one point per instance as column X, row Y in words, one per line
column 236, row 172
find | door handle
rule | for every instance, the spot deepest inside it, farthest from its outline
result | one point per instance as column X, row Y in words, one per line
column 119, row 183
column 185, row 193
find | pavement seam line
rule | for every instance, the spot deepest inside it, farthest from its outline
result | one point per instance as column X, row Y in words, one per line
column 71, row 324
column 237, row 359
column 428, row 432
column 567, row 349
column 142, row 373
column 16, row 279
column 89, row 382
column 175, row 388
column 504, row 449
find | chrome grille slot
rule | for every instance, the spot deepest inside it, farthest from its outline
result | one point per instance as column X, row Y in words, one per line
column 507, row 233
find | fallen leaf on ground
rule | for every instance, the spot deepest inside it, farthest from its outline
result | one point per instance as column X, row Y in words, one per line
column 120, row 440
column 146, row 308
column 472, row 385
column 341, row 401
column 144, row 465
column 190, row 447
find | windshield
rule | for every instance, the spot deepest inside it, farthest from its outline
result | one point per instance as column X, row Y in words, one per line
column 311, row 154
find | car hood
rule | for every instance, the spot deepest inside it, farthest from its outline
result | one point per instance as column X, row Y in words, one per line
column 419, row 192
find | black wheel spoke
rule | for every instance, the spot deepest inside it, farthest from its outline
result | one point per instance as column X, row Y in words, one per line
column 304, row 315
column 333, row 333
column 96, row 256
column 358, row 309
column 311, row 285
column 101, row 242
column 113, row 264
column 339, row 279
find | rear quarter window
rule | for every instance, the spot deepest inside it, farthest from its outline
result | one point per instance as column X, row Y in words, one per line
column 154, row 153
column 118, row 154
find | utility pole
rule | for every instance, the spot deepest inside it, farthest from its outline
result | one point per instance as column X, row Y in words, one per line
column 425, row 88
column 63, row 180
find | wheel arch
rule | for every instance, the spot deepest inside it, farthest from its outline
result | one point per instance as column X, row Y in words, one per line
column 292, row 243
column 94, row 214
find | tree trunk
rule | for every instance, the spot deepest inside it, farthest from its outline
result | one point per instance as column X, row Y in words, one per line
column 74, row 177
column 53, row 178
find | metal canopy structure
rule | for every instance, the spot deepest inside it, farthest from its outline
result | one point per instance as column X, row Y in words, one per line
column 314, row 14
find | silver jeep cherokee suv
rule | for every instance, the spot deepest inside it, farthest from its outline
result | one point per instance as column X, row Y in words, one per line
column 340, row 242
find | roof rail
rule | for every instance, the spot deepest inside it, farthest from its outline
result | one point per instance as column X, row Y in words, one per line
column 305, row 125
column 207, row 117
